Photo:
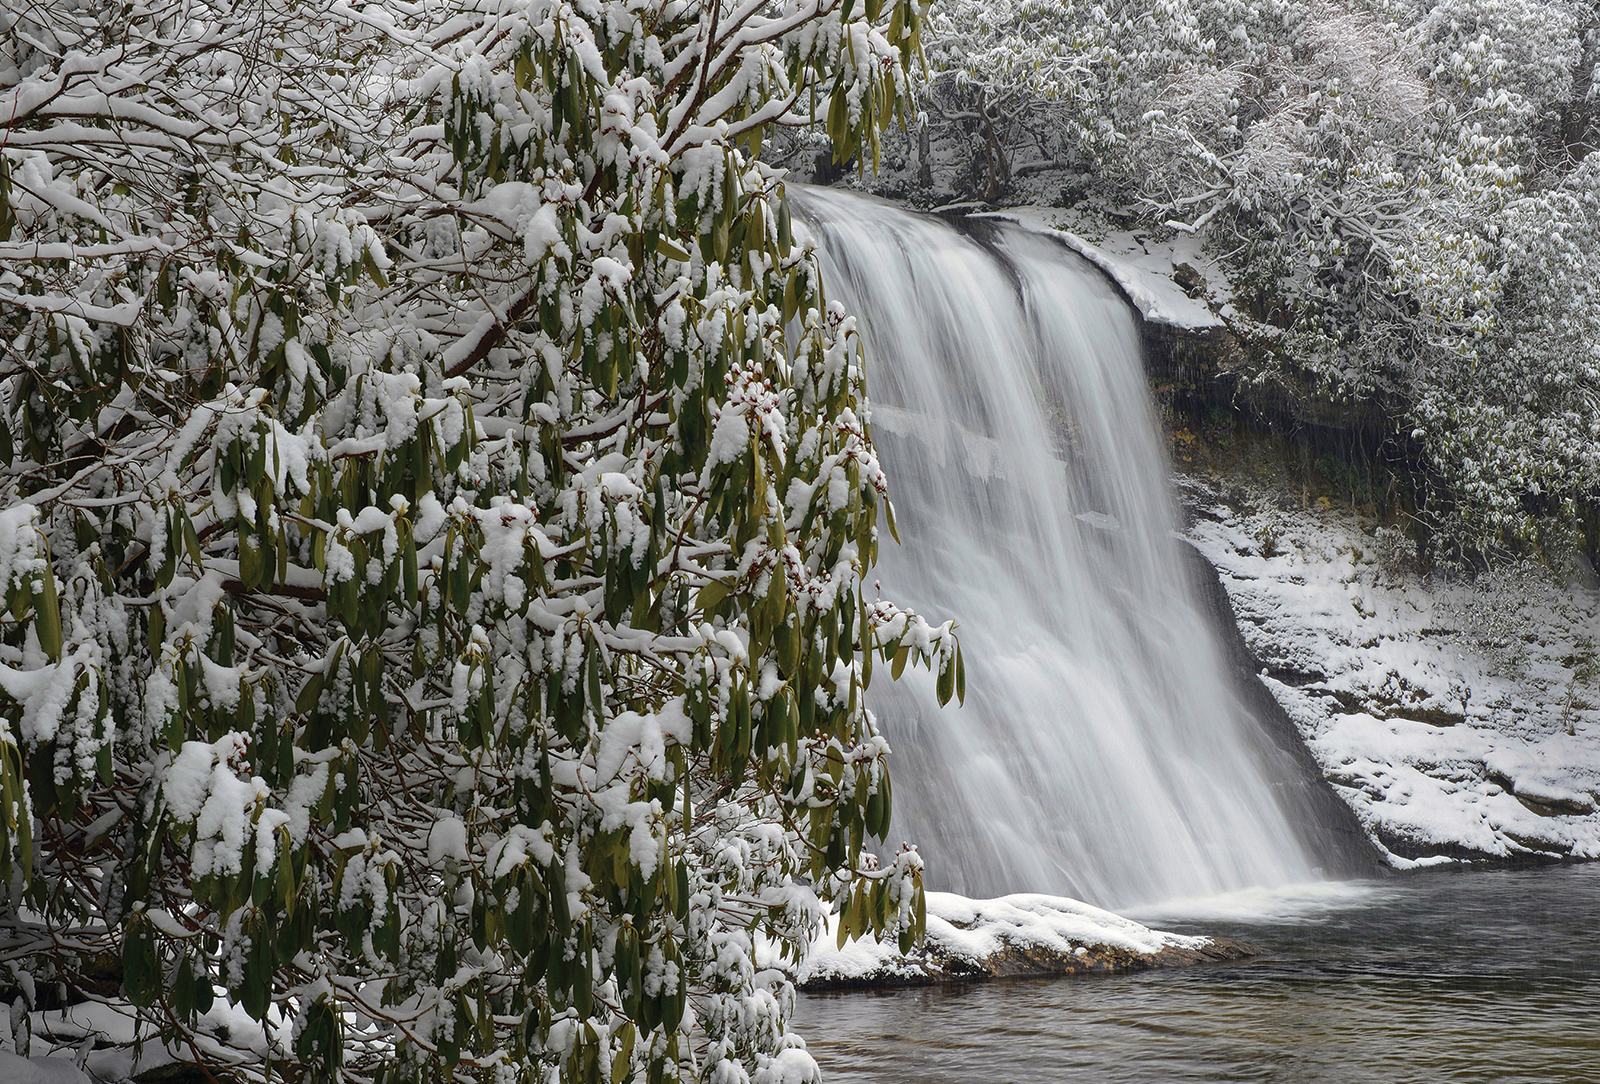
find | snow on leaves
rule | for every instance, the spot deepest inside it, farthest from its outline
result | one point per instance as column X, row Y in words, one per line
column 435, row 521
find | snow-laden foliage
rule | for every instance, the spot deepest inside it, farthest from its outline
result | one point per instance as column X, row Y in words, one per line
column 1398, row 187
column 1517, row 415
column 436, row 499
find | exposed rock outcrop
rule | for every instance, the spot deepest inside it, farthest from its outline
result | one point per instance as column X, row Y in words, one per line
column 1458, row 717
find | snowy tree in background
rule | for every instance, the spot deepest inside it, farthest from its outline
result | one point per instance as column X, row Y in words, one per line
column 1395, row 186
column 435, row 500
column 1517, row 416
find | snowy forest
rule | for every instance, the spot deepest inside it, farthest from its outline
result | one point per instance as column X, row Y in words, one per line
column 446, row 555
column 1403, row 194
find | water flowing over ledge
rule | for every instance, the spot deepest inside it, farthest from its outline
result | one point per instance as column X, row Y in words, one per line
column 1101, row 753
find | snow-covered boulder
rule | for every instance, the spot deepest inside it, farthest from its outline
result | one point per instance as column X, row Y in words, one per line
column 1006, row 937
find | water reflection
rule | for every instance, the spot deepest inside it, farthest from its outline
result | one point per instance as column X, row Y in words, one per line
column 1474, row 976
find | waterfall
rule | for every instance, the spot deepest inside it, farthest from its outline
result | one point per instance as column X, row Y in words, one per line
column 1101, row 752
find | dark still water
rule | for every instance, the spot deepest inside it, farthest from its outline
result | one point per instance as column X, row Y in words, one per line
column 1472, row 976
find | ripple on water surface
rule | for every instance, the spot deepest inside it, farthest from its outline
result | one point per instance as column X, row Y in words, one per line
column 1474, row 976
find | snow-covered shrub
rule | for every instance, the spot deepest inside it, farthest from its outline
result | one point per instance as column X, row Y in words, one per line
column 434, row 507
column 1515, row 420
column 1397, row 185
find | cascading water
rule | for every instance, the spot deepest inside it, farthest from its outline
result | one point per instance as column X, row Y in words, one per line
column 1101, row 752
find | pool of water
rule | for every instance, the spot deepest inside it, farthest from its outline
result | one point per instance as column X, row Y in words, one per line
column 1443, row 976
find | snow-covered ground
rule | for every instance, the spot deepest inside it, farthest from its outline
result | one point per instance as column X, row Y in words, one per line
column 56, row 1070
column 1459, row 718
column 102, row 1039
column 1011, row 935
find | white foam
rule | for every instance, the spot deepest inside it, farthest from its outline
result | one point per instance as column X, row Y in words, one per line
column 1290, row 904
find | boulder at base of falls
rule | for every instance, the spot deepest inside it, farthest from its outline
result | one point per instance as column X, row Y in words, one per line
column 1011, row 936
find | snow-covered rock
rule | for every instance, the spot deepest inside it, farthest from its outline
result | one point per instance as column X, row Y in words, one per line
column 1459, row 718
column 1142, row 269
column 1010, row 936
column 57, row 1070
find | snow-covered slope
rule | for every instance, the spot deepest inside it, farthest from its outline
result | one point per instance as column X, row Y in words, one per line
column 1458, row 718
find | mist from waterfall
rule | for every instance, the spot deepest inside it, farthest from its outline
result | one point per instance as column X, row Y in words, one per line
column 1101, row 752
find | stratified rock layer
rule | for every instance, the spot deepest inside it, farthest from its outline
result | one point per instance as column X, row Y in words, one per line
column 1459, row 718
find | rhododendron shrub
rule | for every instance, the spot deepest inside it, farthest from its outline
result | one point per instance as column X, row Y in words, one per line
column 435, row 501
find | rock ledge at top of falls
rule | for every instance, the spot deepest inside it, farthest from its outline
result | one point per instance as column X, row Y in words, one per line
column 1008, row 937
column 1146, row 281
column 1197, row 334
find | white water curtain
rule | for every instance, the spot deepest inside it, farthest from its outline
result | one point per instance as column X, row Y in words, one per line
column 1101, row 752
